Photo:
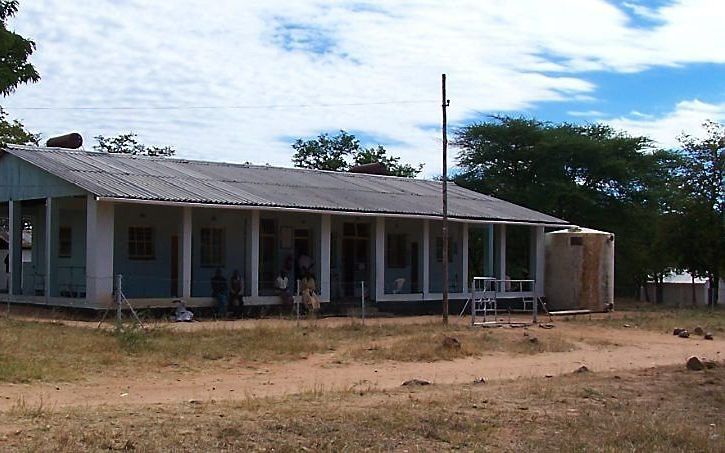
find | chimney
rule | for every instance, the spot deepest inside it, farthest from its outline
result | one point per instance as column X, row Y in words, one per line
column 70, row 141
column 375, row 168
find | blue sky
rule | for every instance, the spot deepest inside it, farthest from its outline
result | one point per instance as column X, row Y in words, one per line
column 238, row 81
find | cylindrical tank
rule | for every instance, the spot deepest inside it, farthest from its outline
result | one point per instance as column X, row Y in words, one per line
column 579, row 270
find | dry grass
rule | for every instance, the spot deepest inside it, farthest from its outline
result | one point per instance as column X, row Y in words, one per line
column 429, row 346
column 660, row 319
column 664, row 409
column 41, row 351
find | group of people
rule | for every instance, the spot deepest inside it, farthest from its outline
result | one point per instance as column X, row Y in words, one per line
column 228, row 295
column 308, row 291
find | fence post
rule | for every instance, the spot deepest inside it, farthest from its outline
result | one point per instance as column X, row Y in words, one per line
column 118, row 293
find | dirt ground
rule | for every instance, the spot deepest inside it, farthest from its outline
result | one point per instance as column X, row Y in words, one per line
column 600, row 349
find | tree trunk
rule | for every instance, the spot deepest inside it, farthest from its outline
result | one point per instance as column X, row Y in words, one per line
column 659, row 290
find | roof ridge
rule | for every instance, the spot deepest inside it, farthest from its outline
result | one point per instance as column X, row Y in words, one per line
column 201, row 161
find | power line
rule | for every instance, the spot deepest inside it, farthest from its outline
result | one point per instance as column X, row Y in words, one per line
column 221, row 107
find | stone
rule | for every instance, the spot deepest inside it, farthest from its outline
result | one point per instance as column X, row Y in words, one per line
column 684, row 334
column 479, row 381
column 415, row 382
column 677, row 331
column 708, row 336
column 695, row 364
column 582, row 369
column 451, row 343
column 698, row 331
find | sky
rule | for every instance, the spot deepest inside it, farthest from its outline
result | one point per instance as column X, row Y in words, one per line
column 240, row 81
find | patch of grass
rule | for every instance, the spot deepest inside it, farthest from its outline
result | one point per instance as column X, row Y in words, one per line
column 660, row 319
column 41, row 351
column 662, row 409
column 429, row 347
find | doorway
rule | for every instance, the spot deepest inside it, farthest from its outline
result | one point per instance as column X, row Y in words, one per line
column 355, row 257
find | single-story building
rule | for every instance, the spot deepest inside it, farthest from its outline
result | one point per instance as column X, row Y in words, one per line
column 167, row 224
column 677, row 290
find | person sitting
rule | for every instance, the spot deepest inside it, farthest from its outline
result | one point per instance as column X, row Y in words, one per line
column 219, row 292
column 236, row 288
column 281, row 286
column 309, row 293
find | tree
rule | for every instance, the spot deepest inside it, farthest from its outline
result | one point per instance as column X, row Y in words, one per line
column 590, row 175
column 343, row 151
column 13, row 131
column 702, row 211
column 14, row 53
column 129, row 144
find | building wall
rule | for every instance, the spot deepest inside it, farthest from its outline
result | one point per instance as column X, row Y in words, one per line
column 69, row 278
column 412, row 230
column 340, row 287
column 285, row 255
column 455, row 264
column 22, row 181
column 678, row 294
column 233, row 224
column 146, row 278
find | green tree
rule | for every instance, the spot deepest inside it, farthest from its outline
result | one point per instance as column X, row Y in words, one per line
column 702, row 209
column 343, row 151
column 14, row 53
column 129, row 144
column 590, row 175
column 13, row 131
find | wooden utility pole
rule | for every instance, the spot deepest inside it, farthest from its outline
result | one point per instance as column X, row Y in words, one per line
column 445, row 105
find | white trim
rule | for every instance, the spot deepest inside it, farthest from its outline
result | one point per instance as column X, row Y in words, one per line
column 501, row 245
column 325, row 228
column 48, row 248
column 379, row 258
column 187, row 229
column 426, row 258
column 254, row 254
column 99, row 251
column 464, row 257
column 537, row 263
column 15, row 247
column 328, row 211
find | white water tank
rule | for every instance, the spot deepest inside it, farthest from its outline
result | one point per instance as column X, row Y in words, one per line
column 579, row 270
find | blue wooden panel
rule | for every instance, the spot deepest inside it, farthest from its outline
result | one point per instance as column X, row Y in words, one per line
column 21, row 181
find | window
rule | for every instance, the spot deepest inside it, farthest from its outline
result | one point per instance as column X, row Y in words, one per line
column 141, row 243
column 65, row 242
column 396, row 251
column 212, row 247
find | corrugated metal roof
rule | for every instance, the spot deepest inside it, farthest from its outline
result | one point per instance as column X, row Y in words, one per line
column 179, row 180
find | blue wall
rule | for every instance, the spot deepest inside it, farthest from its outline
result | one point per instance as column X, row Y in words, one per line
column 22, row 181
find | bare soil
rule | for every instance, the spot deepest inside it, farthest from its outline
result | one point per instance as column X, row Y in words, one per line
column 600, row 349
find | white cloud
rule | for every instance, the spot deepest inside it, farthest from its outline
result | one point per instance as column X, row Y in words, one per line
column 499, row 55
column 687, row 117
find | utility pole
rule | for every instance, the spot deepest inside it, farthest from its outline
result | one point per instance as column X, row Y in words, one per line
column 445, row 103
